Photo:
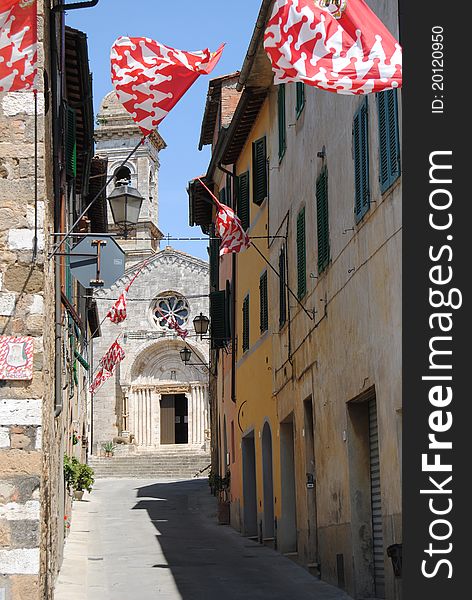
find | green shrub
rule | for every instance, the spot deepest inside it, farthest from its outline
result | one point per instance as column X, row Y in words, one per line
column 77, row 476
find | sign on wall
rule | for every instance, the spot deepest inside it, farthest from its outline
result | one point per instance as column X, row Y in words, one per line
column 16, row 358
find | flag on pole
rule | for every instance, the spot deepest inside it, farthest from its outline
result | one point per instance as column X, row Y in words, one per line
column 114, row 355
column 99, row 380
column 18, row 45
column 336, row 45
column 230, row 230
column 150, row 78
column 117, row 313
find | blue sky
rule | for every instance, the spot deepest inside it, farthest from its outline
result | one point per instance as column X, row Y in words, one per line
column 187, row 25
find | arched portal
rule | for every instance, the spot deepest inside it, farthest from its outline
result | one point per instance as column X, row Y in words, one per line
column 268, row 482
column 167, row 400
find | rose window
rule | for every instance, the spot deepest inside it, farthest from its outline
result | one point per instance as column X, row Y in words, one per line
column 170, row 307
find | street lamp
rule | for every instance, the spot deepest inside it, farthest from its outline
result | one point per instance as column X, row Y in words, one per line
column 201, row 324
column 125, row 203
column 185, row 355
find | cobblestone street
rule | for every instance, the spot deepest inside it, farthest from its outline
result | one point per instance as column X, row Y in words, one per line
column 147, row 540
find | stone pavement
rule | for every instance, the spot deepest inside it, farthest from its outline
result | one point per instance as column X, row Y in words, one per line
column 159, row 540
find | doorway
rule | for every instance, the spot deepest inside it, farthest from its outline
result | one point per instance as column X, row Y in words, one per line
column 268, row 482
column 310, row 480
column 174, row 419
column 288, row 525
column 249, row 485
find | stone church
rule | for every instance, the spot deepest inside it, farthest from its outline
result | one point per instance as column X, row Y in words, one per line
column 153, row 400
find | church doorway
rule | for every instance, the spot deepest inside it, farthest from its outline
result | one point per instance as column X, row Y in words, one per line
column 174, row 419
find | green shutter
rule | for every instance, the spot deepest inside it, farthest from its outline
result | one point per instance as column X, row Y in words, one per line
column 229, row 195
column 243, row 199
column 322, row 220
column 246, row 323
column 219, row 319
column 214, row 255
column 282, row 290
column 389, row 138
column 222, row 196
column 301, row 254
column 263, row 303
column 300, row 91
column 282, row 121
column 71, row 142
column 361, row 161
column 259, row 171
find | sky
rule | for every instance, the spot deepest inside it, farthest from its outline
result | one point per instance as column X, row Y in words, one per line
column 186, row 25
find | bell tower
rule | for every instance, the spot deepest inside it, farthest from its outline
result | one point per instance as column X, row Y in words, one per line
column 116, row 135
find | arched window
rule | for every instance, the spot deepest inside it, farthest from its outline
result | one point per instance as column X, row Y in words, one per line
column 122, row 176
column 170, row 306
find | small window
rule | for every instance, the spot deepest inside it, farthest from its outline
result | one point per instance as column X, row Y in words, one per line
column 122, row 176
column 246, row 324
column 243, row 200
column 282, row 288
column 301, row 254
column 360, row 137
column 282, row 121
column 322, row 220
column 263, row 303
column 300, row 92
column 389, row 138
column 259, row 171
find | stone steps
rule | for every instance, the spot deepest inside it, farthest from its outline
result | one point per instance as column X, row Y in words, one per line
column 168, row 464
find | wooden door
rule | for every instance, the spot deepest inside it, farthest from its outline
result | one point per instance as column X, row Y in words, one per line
column 168, row 419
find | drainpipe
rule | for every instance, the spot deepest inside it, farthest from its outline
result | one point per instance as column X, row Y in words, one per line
column 58, row 402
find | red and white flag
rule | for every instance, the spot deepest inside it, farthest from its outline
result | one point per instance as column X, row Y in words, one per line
column 99, row 380
column 336, row 45
column 230, row 230
column 18, row 45
column 150, row 78
column 114, row 355
column 172, row 324
column 117, row 313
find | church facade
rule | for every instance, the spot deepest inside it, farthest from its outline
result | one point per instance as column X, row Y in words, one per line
column 153, row 399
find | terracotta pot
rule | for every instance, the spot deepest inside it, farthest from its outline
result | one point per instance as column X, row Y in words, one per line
column 223, row 512
column 78, row 495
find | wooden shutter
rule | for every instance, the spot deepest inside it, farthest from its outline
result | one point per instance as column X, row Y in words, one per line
column 322, row 219
column 228, row 193
column 389, row 138
column 246, row 323
column 360, row 136
column 167, row 419
column 214, row 254
column 301, row 254
column 71, row 142
column 300, row 91
column 222, row 196
column 259, row 171
column 219, row 319
column 376, row 502
column 243, row 199
column 263, row 303
column 282, row 290
column 282, row 121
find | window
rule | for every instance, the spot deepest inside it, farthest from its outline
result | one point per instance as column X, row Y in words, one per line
column 300, row 91
column 214, row 255
column 301, row 254
column 246, row 323
column 228, row 193
column 360, row 137
column 282, row 121
column 222, row 196
column 243, row 199
column 322, row 220
column 219, row 331
column 282, row 290
column 71, row 142
column 122, row 176
column 389, row 138
column 259, row 171
column 263, row 303
column 169, row 307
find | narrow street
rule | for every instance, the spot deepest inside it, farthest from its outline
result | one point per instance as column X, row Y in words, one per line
column 148, row 540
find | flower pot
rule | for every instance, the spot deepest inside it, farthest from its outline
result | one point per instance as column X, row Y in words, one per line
column 78, row 494
column 223, row 512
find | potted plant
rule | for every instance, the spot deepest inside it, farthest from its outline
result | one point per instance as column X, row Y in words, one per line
column 109, row 448
column 78, row 477
column 221, row 486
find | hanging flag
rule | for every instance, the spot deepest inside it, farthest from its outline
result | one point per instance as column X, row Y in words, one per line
column 230, row 230
column 117, row 313
column 150, row 78
column 172, row 324
column 336, row 45
column 99, row 380
column 18, row 45
column 114, row 356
